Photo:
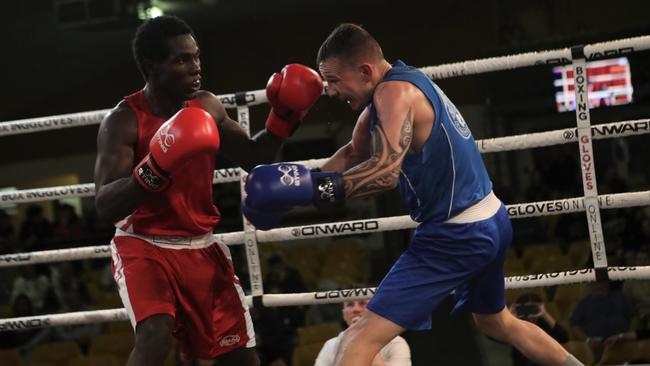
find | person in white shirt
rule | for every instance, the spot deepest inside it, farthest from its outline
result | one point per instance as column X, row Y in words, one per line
column 395, row 353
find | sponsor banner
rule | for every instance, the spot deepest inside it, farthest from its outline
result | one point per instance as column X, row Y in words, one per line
column 53, row 320
column 336, row 228
column 47, row 194
column 250, row 238
column 557, row 207
column 56, row 122
column 551, row 57
column 575, row 276
column 253, row 97
column 58, row 255
column 472, row 67
column 508, row 143
column 558, row 137
column 351, row 294
column 609, row 201
column 52, row 122
column 253, row 260
column 614, row 129
column 587, row 162
column 314, row 298
column 227, row 175
column 24, row 323
column 327, row 297
column 616, row 48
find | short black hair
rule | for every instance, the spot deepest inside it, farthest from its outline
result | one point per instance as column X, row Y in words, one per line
column 349, row 42
column 150, row 40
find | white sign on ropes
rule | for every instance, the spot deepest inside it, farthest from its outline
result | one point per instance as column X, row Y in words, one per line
column 587, row 164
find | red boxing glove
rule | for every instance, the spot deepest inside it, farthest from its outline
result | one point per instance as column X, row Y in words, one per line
column 190, row 132
column 291, row 92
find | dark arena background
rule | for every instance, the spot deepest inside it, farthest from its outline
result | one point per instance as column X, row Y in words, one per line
column 579, row 248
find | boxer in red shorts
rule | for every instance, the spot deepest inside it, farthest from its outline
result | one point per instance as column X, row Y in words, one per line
column 153, row 179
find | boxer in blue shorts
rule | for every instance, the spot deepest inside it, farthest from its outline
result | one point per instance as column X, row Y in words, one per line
column 409, row 135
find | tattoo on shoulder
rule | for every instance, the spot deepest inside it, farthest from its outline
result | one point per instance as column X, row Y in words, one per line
column 383, row 168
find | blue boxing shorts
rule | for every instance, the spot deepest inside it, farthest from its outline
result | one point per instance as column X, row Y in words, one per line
column 443, row 258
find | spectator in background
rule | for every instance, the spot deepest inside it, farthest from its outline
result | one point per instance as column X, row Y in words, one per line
column 637, row 234
column 324, row 313
column 282, row 278
column 24, row 339
column 642, row 332
column 571, row 227
column 35, row 231
column 7, row 234
column 66, row 276
column 275, row 339
column 530, row 307
column 276, row 328
column 67, row 224
column 639, row 290
column 602, row 314
column 72, row 301
column 395, row 353
column 32, row 284
column 556, row 166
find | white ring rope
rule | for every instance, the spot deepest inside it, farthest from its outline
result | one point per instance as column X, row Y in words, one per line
column 326, row 297
column 38, row 124
column 552, row 57
column 496, row 144
column 516, row 211
column 255, row 97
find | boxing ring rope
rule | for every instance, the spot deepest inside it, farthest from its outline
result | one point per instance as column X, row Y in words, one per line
column 551, row 57
column 515, row 211
column 323, row 297
column 39, row 124
column 563, row 56
column 490, row 145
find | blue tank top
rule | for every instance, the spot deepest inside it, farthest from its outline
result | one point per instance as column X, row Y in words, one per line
column 447, row 175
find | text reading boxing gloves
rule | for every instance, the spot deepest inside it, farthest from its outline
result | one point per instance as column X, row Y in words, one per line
column 190, row 132
column 276, row 188
column 291, row 93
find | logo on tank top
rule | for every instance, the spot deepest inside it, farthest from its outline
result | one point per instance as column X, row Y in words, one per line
column 457, row 119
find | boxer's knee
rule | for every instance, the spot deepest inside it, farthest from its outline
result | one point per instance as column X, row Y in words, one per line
column 239, row 357
column 496, row 326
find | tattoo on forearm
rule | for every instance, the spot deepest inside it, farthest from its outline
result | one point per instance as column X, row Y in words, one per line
column 383, row 168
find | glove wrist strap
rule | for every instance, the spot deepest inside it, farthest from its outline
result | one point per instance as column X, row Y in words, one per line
column 328, row 188
column 278, row 126
column 150, row 176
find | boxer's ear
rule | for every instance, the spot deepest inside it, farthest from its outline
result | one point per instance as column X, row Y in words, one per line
column 367, row 71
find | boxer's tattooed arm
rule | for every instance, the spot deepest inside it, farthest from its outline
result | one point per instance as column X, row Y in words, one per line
column 381, row 171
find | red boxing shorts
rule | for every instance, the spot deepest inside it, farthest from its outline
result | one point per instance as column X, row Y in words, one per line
column 190, row 279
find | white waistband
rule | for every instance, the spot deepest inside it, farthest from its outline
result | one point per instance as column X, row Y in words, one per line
column 174, row 242
column 481, row 210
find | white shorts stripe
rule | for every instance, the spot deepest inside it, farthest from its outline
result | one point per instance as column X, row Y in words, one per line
column 250, row 331
column 120, row 279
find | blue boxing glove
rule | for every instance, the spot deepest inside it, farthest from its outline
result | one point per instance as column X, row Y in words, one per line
column 274, row 189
